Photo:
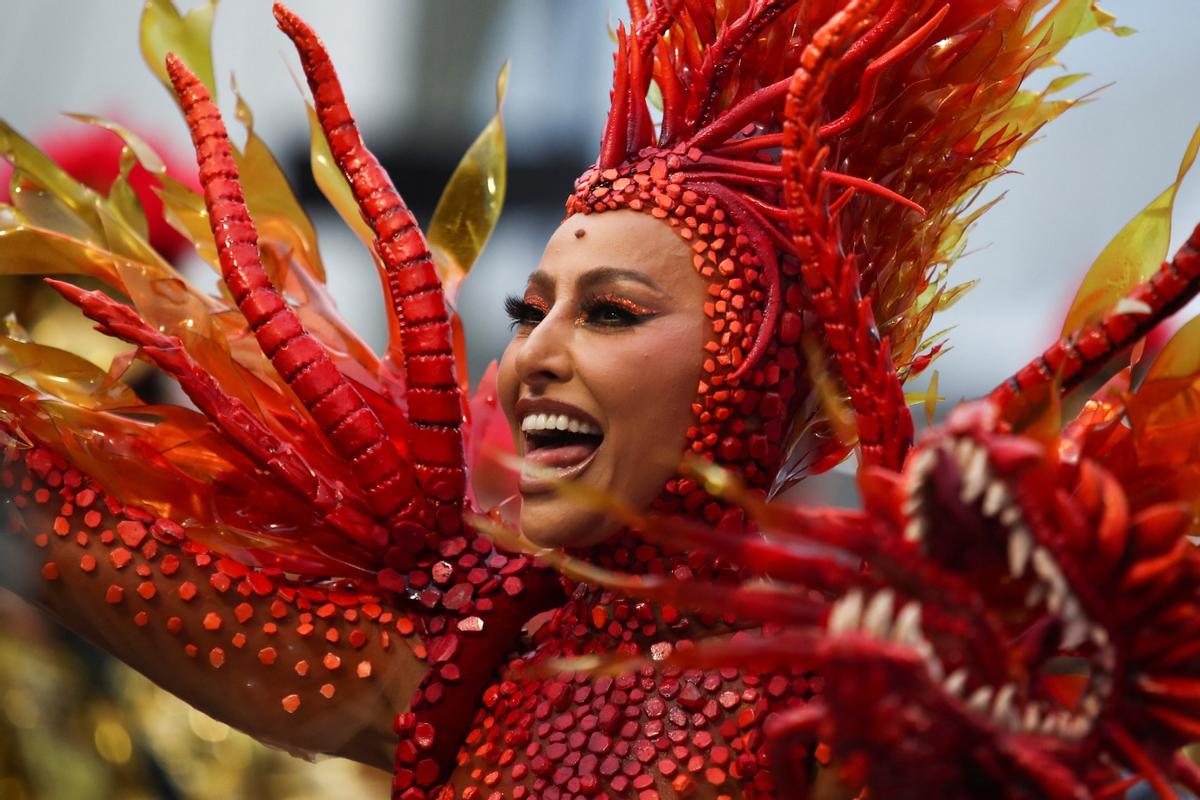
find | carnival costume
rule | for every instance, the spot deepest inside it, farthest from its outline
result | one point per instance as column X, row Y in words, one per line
column 295, row 551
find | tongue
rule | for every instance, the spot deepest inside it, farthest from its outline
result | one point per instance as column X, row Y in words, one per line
column 559, row 457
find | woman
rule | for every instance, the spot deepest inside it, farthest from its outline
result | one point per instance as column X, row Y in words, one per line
column 292, row 558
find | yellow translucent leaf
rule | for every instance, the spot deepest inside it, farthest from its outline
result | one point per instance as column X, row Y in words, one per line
column 1165, row 410
column 37, row 167
column 929, row 398
column 276, row 212
column 470, row 204
column 123, row 200
column 164, row 30
column 41, row 209
column 1064, row 82
column 333, row 184
column 184, row 209
column 64, row 375
column 143, row 152
column 1132, row 256
column 27, row 250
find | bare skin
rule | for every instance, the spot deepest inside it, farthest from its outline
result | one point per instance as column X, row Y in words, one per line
column 609, row 331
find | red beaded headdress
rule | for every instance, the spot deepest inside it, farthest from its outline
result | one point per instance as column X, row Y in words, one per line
column 818, row 158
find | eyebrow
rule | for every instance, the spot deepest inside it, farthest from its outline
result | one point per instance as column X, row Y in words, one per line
column 599, row 275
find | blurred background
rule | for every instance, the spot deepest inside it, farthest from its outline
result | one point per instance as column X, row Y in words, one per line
column 420, row 77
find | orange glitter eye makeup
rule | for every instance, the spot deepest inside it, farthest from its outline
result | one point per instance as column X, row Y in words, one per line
column 613, row 310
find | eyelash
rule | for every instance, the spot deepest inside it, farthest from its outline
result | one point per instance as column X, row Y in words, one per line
column 530, row 311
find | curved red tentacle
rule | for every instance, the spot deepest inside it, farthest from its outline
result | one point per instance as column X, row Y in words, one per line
column 435, row 401
column 340, row 506
column 356, row 434
column 1078, row 355
column 872, row 74
column 831, row 277
column 720, row 57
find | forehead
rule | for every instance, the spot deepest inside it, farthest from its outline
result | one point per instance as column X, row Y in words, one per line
column 620, row 240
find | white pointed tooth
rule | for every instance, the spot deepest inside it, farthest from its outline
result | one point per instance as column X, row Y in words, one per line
column 1010, row 516
column 1076, row 728
column 562, row 422
column 1035, row 594
column 980, row 699
column 914, row 530
column 933, row 665
column 539, row 422
column 1044, row 564
column 846, row 613
column 878, row 618
column 912, row 505
column 1076, row 634
column 963, row 448
column 908, row 623
column 1090, row 706
column 975, row 476
column 1055, row 600
column 526, row 423
column 1051, row 724
column 995, row 498
column 1020, row 543
column 956, row 682
column 921, row 462
column 573, row 426
column 1032, row 717
column 1002, row 707
column 1099, row 636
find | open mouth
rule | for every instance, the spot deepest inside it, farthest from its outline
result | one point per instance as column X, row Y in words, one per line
column 967, row 519
column 560, row 440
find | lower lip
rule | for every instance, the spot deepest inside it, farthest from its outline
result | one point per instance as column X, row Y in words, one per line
column 548, row 459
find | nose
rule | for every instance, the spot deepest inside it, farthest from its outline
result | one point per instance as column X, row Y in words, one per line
column 545, row 357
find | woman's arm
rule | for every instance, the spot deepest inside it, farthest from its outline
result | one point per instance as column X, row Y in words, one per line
column 299, row 667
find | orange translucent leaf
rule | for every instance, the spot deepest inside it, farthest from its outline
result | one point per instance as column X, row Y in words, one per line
column 164, row 30
column 332, row 183
column 1165, row 410
column 63, row 375
column 1132, row 256
column 471, row 203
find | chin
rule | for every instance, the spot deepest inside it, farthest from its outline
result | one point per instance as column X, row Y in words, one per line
column 553, row 522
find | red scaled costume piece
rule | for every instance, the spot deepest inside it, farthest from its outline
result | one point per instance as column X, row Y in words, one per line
column 292, row 557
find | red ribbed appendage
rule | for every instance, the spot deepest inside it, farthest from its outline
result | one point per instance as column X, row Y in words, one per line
column 1077, row 356
column 348, row 423
column 434, row 397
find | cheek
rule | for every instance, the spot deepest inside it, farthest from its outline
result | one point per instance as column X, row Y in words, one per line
column 507, row 383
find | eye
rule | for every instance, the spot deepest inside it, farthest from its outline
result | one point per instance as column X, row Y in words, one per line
column 612, row 311
column 524, row 312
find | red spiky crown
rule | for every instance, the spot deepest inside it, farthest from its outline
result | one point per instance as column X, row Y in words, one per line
column 818, row 158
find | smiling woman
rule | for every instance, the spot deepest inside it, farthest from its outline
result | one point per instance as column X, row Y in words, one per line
column 598, row 379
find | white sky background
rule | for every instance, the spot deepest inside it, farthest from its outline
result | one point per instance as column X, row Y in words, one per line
column 1093, row 169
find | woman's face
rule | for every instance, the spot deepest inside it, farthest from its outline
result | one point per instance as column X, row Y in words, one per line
column 604, row 364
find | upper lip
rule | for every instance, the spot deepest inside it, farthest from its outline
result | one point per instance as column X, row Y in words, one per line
column 527, row 406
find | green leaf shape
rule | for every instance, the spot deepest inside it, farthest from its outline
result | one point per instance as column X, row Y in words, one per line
column 1132, row 256
column 470, row 204
column 189, row 36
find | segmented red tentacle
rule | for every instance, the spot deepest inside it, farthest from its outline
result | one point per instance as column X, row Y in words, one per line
column 435, row 403
column 343, row 416
column 721, row 56
column 339, row 506
column 830, row 278
column 1077, row 356
column 872, row 74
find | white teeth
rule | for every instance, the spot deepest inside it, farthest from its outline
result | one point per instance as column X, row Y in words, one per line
column 557, row 422
column 1032, row 717
column 846, row 613
column 1002, row 708
column 1020, row 543
column 1076, row 634
column 1035, row 595
column 995, row 498
column 975, row 476
column 980, row 699
column 914, row 531
column 907, row 629
column 956, row 682
column 1010, row 516
column 1090, row 706
column 878, row 618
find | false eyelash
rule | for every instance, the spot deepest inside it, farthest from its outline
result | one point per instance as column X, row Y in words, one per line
column 522, row 312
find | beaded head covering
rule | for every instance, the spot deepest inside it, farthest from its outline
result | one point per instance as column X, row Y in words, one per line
column 817, row 157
